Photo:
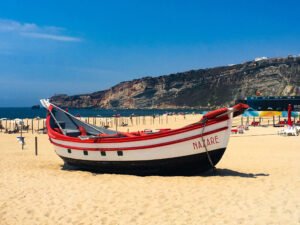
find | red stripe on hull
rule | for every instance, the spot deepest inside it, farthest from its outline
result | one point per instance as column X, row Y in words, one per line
column 140, row 147
column 55, row 135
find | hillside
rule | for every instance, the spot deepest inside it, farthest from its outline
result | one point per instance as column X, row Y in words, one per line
column 203, row 88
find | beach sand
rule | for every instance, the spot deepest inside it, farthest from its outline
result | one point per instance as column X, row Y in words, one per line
column 257, row 182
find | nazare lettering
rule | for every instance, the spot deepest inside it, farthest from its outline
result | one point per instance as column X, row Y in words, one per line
column 206, row 142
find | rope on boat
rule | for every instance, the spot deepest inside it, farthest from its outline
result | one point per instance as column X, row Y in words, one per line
column 203, row 141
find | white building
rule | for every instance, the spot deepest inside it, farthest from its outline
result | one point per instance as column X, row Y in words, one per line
column 260, row 58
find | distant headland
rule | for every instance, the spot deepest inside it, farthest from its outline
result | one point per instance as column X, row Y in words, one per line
column 203, row 88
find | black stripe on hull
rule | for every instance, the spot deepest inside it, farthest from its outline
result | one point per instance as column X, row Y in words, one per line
column 185, row 165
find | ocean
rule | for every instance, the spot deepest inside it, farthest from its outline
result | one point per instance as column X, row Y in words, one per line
column 27, row 112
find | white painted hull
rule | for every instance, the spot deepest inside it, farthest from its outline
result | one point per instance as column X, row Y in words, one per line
column 197, row 146
column 214, row 141
column 185, row 151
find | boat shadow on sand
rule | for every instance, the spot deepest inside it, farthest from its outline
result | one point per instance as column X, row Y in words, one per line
column 232, row 173
column 210, row 173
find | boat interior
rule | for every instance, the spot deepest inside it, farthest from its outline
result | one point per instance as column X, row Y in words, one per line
column 65, row 123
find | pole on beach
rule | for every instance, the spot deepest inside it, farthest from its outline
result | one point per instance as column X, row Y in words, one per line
column 273, row 121
column 116, row 123
column 242, row 120
column 36, row 145
column 21, row 134
column 38, row 125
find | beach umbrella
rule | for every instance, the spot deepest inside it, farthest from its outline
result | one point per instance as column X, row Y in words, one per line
column 290, row 115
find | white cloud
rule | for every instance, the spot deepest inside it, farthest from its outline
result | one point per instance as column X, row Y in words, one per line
column 50, row 36
column 32, row 30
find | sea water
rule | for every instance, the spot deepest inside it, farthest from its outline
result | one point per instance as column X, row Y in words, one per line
column 27, row 112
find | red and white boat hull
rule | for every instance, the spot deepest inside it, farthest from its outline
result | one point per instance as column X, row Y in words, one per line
column 196, row 147
column 190, row 145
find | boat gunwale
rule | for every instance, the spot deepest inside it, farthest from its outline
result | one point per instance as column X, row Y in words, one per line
column 55, row 135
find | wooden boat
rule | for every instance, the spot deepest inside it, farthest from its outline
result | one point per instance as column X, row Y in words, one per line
column 193, row 148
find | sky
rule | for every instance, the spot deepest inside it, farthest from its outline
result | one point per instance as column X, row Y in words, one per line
column 72, row 47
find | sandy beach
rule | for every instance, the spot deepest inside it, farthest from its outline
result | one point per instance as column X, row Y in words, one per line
column 257, row 182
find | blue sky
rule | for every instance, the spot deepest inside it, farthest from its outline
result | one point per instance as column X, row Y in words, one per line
column 49, row 47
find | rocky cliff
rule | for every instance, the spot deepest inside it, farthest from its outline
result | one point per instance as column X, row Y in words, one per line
column 203, row 88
